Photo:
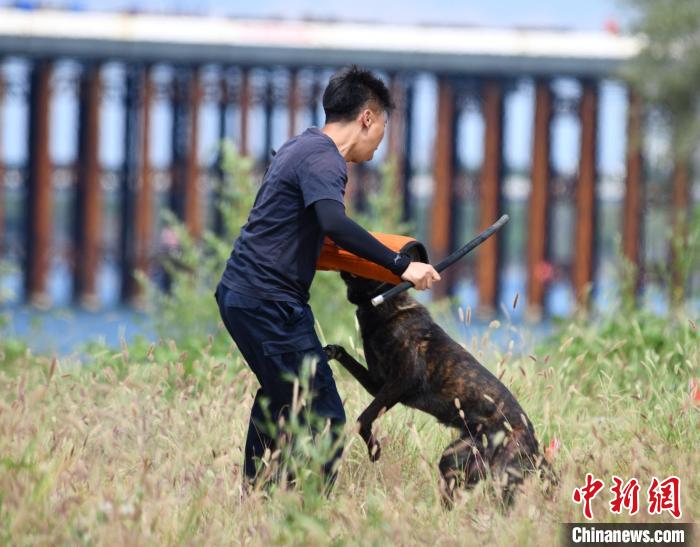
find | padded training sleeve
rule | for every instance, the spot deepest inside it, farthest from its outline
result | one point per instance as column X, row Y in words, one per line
column 354, row 238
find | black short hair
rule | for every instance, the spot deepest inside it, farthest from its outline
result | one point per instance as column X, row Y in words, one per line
column 349, row 90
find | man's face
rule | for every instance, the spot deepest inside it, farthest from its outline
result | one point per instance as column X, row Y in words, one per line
column 373, row 126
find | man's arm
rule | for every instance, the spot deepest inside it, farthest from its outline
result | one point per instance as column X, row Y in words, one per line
column 354, row 238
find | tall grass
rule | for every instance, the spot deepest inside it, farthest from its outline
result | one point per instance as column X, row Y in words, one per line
column 143, row 445
column 141, row 451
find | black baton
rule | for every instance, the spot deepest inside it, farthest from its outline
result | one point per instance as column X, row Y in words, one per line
column 447, row 262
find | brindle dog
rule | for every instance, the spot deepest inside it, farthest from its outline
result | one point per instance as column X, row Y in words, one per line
column 411, row 360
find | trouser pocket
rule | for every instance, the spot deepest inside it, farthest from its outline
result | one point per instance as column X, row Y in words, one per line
column 292, row 312
column 296, row 344
column 286, row 357
column 233, row 299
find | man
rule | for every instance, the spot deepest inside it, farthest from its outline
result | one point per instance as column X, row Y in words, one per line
column 264, row 291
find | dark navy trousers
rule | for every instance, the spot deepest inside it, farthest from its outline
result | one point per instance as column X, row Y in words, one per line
column 274, row 337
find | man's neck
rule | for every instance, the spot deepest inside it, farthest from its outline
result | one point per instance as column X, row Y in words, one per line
column 343, row 135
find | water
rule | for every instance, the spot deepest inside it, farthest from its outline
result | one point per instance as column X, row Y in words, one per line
column 65, row 331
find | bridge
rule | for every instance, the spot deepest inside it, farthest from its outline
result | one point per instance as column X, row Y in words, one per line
column 275, row 71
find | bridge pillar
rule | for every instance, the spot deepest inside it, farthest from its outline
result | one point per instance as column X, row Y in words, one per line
column 143, row 228
column 585, row 194
column 268, row 100
column 539, row 198
column 88, row 211
column 632, row 232
column 679, row 213
column 293, row 102
column 39, row 220
column 129, row 185
column 397, row 128
column 224, row 100
column 184, row 192
column 407, row 168
column 315, row 91
column 244, row 108
column 490, row 194
column 443, row 176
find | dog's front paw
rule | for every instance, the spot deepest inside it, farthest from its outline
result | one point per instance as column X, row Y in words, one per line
column 374, row 449
column 333, row 351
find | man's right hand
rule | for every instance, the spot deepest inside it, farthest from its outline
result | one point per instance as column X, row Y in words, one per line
column 421, row 275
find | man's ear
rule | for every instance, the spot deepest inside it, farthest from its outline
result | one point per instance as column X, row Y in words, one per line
column 366, row 117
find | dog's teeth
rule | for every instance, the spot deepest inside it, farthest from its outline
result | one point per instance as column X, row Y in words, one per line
column 489, row 399
column 457, row 403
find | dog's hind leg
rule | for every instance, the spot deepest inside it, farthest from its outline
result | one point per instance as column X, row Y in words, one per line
column 360, row 373
column 461, row 464
column 516, row 459
column 548, row 475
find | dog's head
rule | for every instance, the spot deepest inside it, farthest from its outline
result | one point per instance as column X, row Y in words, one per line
column 361, row 289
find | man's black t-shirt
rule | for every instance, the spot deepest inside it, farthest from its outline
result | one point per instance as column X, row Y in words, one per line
column 276, row 253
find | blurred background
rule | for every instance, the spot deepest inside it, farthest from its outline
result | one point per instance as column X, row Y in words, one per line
column 560, row 114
